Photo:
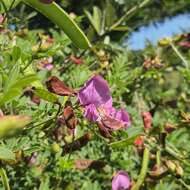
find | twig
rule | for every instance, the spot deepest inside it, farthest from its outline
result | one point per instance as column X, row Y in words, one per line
column 179, row 54
column 184, row 184
column 132, row 10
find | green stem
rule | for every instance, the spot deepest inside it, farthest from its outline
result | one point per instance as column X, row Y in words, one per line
column 4, row 179
column 179, row 54
column 143, row 171
column 184, row 184
column 131, row 11
column 158, row 156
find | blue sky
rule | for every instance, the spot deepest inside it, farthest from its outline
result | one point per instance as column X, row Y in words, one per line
column 158, row 30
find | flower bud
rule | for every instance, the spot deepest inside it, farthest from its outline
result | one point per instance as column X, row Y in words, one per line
column 139, row 141
column 171, row 165
column 164, row 41
column 179, row 171
column 121, row 181
column 55, row 148
column 75, row 60
column 147, row 120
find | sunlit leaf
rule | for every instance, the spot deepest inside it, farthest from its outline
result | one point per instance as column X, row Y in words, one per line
column 6, row 154
column 10, row 125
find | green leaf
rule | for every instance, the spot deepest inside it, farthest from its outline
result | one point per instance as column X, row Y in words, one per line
column 16, row 88
column 16, row 53
column 10, row 125
column 95, row 19
column 9, row 95
column 30, row 71
column 44, row 185
column 57, row 15
column 65, row 164
column 46, row 95
column 110, row 14
column 14, row 74
column 123, row 143
column 134, row 131
column 5, row 5
column 25, row 81
column 6, row 154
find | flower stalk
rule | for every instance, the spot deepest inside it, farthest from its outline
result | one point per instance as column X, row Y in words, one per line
column 4, row 179
column 143, row 172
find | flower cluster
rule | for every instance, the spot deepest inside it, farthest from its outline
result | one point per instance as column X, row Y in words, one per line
column 96, row 99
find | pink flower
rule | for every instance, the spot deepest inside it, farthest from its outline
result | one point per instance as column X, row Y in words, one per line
column 185, row 44
column 121, row 181
column 46, row 63
column 97, row 101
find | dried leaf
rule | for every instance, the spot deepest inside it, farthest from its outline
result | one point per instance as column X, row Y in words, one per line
column 58, row 87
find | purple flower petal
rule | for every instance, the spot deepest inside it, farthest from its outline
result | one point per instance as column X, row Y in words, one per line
column 95, row 91
column 121, row 181
column 122, row 116
column 91, row 113
column 114, row 119
column 48, row 66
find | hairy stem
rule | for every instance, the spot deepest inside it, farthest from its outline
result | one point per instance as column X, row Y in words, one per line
column 143, row 171
column 4, row 179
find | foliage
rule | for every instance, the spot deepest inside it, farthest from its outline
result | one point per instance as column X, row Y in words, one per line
column 39, row 154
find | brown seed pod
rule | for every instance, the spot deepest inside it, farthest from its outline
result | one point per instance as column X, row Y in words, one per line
column 83, row 164
column 69, row 117
column 77, row 144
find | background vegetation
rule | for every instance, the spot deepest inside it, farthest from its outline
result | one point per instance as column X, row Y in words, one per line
column 154, row 80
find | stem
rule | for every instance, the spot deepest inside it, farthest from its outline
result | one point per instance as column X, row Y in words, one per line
column 179, row 54
column 4, row 178
column 143, row 171
column 129, row 12
column 184, row 184
column 158, row 160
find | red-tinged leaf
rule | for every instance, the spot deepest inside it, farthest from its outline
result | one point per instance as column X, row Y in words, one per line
column 58, row 87
column 75, row 60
